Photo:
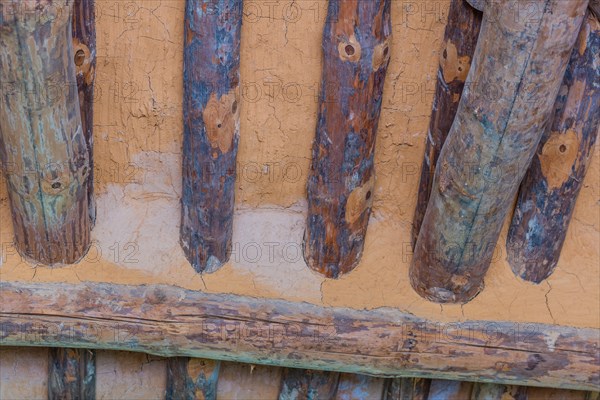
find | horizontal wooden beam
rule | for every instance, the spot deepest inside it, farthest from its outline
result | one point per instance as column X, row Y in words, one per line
column 171, row 321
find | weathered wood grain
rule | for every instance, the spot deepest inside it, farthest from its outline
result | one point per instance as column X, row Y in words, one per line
column 460, row 39
column 192, row 378
column 341, row 182
column 84, row 49
column 359, row 387
column 170, row 321
column 595, row 8
column 449, row 390
column 42, row 145
column 492, row 391
column 549, row 191
column 302, row 384
column 477, row 4
column 506, row 104
column 211, row 112
column 407, row 389
column 71, row 374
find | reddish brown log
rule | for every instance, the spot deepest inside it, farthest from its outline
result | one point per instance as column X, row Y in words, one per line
column 301, row 384
column 549, row 190
column 72, row 374
column 211, row 115
column 460, row 39
column 192, row 378
column 84, row 48
column 42, row 144
column 341, row 183
column 493, row 391
column 521, row 61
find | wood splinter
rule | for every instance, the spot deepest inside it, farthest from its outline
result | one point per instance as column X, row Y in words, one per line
column 42, row 145
column 341, row 183
column 211, row 109
column 549, row 191
column 460, row 39
column 506, row 104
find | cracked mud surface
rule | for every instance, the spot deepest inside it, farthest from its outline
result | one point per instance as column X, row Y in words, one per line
column 138, row 131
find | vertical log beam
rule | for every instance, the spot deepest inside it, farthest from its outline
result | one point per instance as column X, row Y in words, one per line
column 341, row 183
column 84, row 49
column 192, row 378
column 521, row 60
column 359, row 387
column 550, row 188
column 407, row 389
column 304, row 384
column 72, row 374
column 449, row 390
column 460, row 39
column 492, row 391
column 211, row 129
column 42, row 144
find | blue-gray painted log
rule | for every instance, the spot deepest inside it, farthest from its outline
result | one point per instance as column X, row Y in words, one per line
column 549, row 191
column 71, row 374
column 306, row 384
column 506, row 104
column 460, row 39
column 341, row 182
column 42, row 145
column 211, row 129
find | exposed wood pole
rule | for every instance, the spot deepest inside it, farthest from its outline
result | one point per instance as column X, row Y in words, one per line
column 514, row 80
column 42, row 143
column 407, row 389
column 456, row 54
column 449, row 390
column 301, row 384
column 192, row 378
column 358, row 387
column 383, row 342
column 72, row 374
column 550, row 188
column 341, row 183
column 84, row 49
column 211, row 110
column 493, row 391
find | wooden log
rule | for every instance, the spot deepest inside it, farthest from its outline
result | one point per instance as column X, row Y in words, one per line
column 304, row 384
column 41, row 139
column 71, row 374
column 407, row 389
column 84, row 49
column 359, row 387
column 595, row 8
column 248, row 381
column 211, row 110
column 170, row 321
column 536, row 393
column 477, row 4
column 460, row 39
column 449, row 390
column 491, row 143
column 550, row 188
column 493, row 391
column 341, row 182
column 192, row 378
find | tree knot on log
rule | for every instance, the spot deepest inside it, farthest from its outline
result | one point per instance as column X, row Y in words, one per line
column 221, row 121
column 350, row 49
column 452, row 65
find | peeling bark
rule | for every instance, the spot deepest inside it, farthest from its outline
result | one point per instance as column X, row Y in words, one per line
column 192, row 378
column 42, row 145
column 300, row 384
column 211, row 130
column 549, row 191
column 506, row 104
column 84, row 49
column 72, row 374
column 460, row 39
column 341, row 183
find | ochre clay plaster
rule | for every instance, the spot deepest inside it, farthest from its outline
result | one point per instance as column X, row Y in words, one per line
column 137, row 151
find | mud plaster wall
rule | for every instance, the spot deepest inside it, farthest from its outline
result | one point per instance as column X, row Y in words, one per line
column 138, row 131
